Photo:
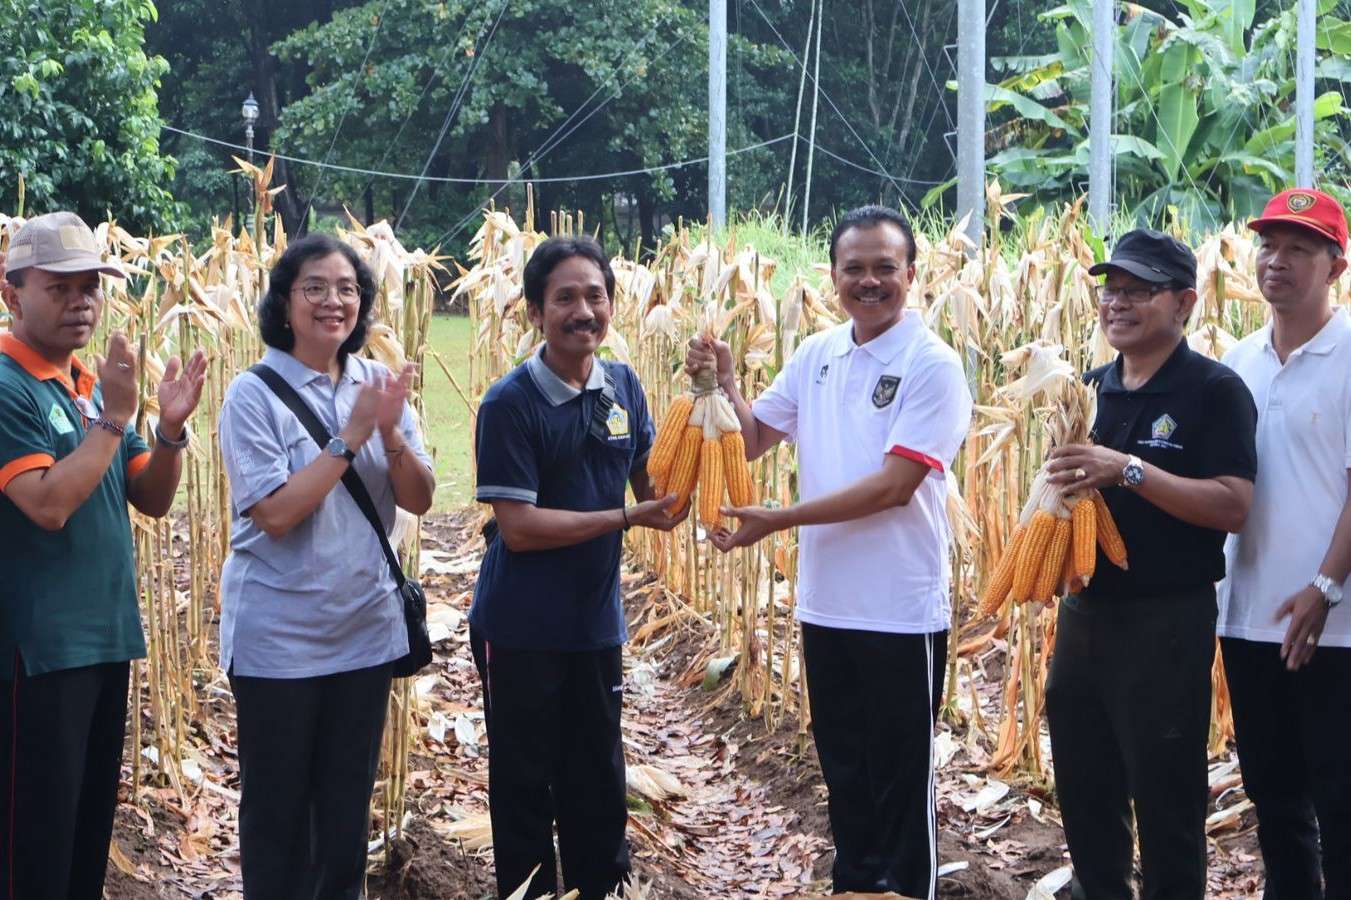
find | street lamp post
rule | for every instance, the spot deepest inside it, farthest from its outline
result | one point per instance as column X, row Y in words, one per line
column 250, row 113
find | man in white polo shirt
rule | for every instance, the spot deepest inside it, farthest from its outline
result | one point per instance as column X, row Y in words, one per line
column 1286, row 636
column 878, row 407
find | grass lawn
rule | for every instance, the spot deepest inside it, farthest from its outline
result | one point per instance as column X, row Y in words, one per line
column 448, row 418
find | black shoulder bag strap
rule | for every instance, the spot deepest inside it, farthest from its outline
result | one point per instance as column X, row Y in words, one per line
column 350, row 479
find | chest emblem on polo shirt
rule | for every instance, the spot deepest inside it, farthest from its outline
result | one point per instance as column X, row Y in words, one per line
column 58, row 420
column 1161, row 432
column 885, row 392
column 617, row 422
column 821, row 375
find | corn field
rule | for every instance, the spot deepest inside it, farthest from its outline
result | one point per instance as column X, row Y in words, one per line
column 1021, row 311
column 1019, row 308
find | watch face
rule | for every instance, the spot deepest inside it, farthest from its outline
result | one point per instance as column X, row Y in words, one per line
column 1134, row 475
column 337, row 447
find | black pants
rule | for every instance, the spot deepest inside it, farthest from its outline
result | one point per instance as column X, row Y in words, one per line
column 1128, row 704
column 874, row 700
column 308, row 753
column 1292, row 747
column 61, row 737
column 555, row 756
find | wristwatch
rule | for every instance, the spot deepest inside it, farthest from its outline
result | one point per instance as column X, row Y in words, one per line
column 337, row 448
column 1331, row 590
column 1133, row 475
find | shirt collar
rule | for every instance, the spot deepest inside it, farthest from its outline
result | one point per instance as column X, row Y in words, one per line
column 1164, row 381
column 1322, row 343
column 556, row 390
column 80, row 384
column 298, row 375
column 886, row 345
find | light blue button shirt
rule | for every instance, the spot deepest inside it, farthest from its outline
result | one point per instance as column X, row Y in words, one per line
column 320, row 599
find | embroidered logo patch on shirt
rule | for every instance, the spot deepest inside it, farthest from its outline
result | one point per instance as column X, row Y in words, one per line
column 1161, row 432
column 58, row 420
column 617, row 422
column 821, row 376
column 885, row 392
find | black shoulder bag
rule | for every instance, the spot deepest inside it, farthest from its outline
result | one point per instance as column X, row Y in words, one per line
column 414, row 600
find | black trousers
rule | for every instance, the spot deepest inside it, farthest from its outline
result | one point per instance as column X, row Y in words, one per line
column 1128, row 704
column 874, row 701
column 555, row 757
column 1292, row 747
column 61, row 737
column 308, row 753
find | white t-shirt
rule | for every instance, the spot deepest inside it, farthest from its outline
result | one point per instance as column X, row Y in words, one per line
column 1303, row 453
column 847, row 407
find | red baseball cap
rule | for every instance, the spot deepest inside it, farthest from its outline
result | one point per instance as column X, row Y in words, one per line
column 1307, row 208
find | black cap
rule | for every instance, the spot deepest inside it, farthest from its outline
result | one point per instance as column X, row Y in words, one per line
column 1153, row 256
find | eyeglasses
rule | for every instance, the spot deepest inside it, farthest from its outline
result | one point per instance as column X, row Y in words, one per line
column 1132, row 295
column 317, row 292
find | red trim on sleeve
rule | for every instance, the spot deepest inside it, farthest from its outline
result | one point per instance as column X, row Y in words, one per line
column 137, row 464
column 916, row 456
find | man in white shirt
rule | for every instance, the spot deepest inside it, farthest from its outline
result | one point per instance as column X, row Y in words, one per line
column 878, row 407
column 1286, row 638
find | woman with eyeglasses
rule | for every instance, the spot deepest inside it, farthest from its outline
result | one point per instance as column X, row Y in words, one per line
column 311, row 620
column 1128, row 694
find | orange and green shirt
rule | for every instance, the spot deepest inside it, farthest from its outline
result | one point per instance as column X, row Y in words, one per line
column 67, row 598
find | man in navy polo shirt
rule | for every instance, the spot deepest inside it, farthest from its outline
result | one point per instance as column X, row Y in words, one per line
column 1128, row 694
column 558, row 439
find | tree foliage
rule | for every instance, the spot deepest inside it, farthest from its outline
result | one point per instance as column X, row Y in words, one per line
column 81, row 123
column 1204, row 122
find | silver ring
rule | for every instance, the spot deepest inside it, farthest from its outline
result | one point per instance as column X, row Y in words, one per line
column 124, row 365
column 1311, row 640
column 1080, row 474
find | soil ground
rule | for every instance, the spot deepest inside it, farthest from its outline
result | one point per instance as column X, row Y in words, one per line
column 744, row 813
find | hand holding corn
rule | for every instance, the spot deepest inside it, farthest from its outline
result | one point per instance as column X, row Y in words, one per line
column 699, row 442
column 1076, row 468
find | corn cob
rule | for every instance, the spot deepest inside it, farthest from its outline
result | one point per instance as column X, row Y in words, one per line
column 997, row 590
column 1109, row 538
column 1040, row 530
column 740, row 489
column 1085, row 542
column 685, row 470
column 664, row 448
column 1067, row 576
column 1054, row 562
column 710, row 483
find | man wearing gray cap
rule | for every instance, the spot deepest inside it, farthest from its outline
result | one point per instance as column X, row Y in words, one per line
column 70, row 461
column 1128, row 694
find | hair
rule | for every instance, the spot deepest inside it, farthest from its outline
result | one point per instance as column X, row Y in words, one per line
column 15, row 278
column 274, row 309
column 554, row 251
column 870, row 217
column 1335, row 250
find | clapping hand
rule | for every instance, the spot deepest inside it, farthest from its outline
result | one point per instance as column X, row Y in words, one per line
column 117, row 380
column 391, row 395
column 179, row 392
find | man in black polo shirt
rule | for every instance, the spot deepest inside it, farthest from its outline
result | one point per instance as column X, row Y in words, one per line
column 558, row 439
column 1128, row 695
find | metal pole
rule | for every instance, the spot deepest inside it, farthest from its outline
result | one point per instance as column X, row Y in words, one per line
column 1100, row 115
column 1304, row 60
column 717, row 112
column 816, row 99
column 248, row 139
column 971, row 115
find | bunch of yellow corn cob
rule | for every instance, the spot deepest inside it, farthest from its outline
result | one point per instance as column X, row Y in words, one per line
column 699, row 443
column 1053, row 550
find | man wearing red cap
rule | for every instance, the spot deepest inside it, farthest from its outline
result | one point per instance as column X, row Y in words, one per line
column 1286, row 636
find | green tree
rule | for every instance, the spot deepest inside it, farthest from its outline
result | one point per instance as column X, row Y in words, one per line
column 81, row 123
column 1204, row 124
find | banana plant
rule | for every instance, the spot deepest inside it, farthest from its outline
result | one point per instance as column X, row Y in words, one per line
column 1203, row 130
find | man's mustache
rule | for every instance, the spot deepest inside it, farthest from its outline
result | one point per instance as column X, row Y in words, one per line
column 575, row 327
